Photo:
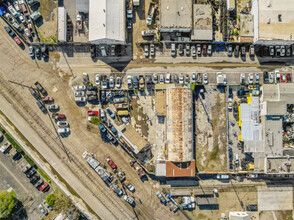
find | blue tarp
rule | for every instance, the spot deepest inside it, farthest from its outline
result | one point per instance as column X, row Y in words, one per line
column 2, row 11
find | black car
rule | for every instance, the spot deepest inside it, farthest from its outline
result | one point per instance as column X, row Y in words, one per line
column 93, row 51
column 41, row 88
column 103, row 96
column 252, row 208
column 31, row 173
column 92, row 88
column 236, row 52
column 265, row 77
column 230, row 153
column 1, row 137
column 34, row 179
column 230, row 93
column 278, row 51
column 242, row 92
column 288, row 51
column 243, row 51
column 42, row 107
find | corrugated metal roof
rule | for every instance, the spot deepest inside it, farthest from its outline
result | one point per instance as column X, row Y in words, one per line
column 107, row 21
column 61, row 24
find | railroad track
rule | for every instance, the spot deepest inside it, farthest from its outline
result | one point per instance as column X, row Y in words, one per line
column 52, row 139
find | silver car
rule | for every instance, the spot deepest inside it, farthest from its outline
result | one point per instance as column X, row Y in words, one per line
column 205, row 78
column 161, row 79
column 155, row 78
column 111, row 82
column 97, row 80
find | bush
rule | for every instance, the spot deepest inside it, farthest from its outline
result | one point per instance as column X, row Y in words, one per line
column 96, row 120
column 50, row 199
column 7, row 203
column 12, row 141
column 29, row 160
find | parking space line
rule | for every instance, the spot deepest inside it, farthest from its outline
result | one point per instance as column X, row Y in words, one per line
column 8, row 171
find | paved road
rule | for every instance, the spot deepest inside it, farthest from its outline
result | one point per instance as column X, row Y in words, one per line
column 52, row 159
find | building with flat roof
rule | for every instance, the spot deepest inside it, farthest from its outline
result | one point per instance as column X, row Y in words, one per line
column 274, row 21
column 251, row 130
column 175, row 16
column 202, row 22
column 179, row 159
column 61, row 24
column 107, row 22
column 246, row 28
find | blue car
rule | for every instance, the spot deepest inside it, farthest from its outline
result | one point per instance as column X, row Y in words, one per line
column 102, row 128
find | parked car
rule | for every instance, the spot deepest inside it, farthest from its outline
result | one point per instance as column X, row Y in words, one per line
column 38, row 184
column 62, row 124
column 243, row 51
column 38, row 52
column 193, row 78
column 146, row 50
column 155, row 78
column 256, row 78
column 47, row 99
column 198, row 49
column 161, row 79
column 193, row 49
column 129, row 81
column 41, row 88
column 271, row 77
column 58, row 117
column 80, row 94
column 44, row 51
column 30, row 173
column 80, row 88
column 236, row 52
column 181, row 79
column 53, row 107
column 167, row 77
column 17, row 40
column 28, row 33
column 283, row 51
column 176, row 79
column 44, row 187
column 187, row 79
column 17, row 27
column 250, row 78
column 111, row 163
column 265, row 77
column 31, row 51
column 288, row 51
column 97, row 80
column 93, row 51
column 7, row 29
column 205, row 78
column 63, row 131
column 112, row 50
column 230, row 50
column 103, row 115
column 102, row 128
column 209, row 49
column 47, row 205
column 110, row 113
column 173, row 50
column 288, row 77
column 129, row 200
column 251, row 50
column 242, row 78
column 181, row 49
column 271, row 50
column 34, row 179
column 152, row 50
column 111, row 82
column 187, row 49
column 91, row 113
column 204, row 50
column 41, row 208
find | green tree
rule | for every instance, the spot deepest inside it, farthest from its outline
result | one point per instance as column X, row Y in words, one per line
column 50, row 199
column 7, row 203
column 95, row 120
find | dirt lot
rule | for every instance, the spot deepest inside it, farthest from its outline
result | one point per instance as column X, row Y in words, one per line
column 211, row 131
column 25, row 70
column 48, row 30
column 229, row 200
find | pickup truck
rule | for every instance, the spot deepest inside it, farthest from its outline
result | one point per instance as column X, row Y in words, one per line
column 41, row 88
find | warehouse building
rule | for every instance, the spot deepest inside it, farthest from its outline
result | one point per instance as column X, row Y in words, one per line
column 180, row 160
column 107, row 22
column 62, row 25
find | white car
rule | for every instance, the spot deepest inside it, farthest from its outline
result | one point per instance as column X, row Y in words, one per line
column 53, row 107
column 205, row 78
column 242, row 78
column 9, row 17
column 193, row 49
column 155, row 78
column 250, row 78
column 193, row 79
column 103, row 115
column 118, row 82
column 225, row 79
column 63, row 130
column 28, row 33
column 97, row 80
column 161, row 79
column 198, row 49
column 146, row 50
column 130, row 84
column 41, row 208
column 16, row 6
column 80, row 94
column 152, row 50
column 271, row 77
column 62, row 123
column 173, row 50
column 129, row 200
column 181, row 80
column 167, row 77
column 80, row 99
column 80, row 88
column 111, row 82
column 257, row 78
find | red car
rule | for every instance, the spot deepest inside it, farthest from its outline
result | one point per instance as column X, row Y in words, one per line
column 283, row 78
column 59, row 116
column 288, row 77
column 44, row 187
column 111, row 163
column 204, row 49
column 92, row 113
column 17, row 40
column 47, row 99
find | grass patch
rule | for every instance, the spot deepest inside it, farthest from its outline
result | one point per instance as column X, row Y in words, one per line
column 13, row 142
column 29, row 160
column 43, row 174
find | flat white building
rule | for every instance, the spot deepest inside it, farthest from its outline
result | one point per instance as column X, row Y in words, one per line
column 107, row 21
column 61, row 25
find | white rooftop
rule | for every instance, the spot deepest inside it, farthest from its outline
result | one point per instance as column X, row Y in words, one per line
column 107, row 21
column 61, row 24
